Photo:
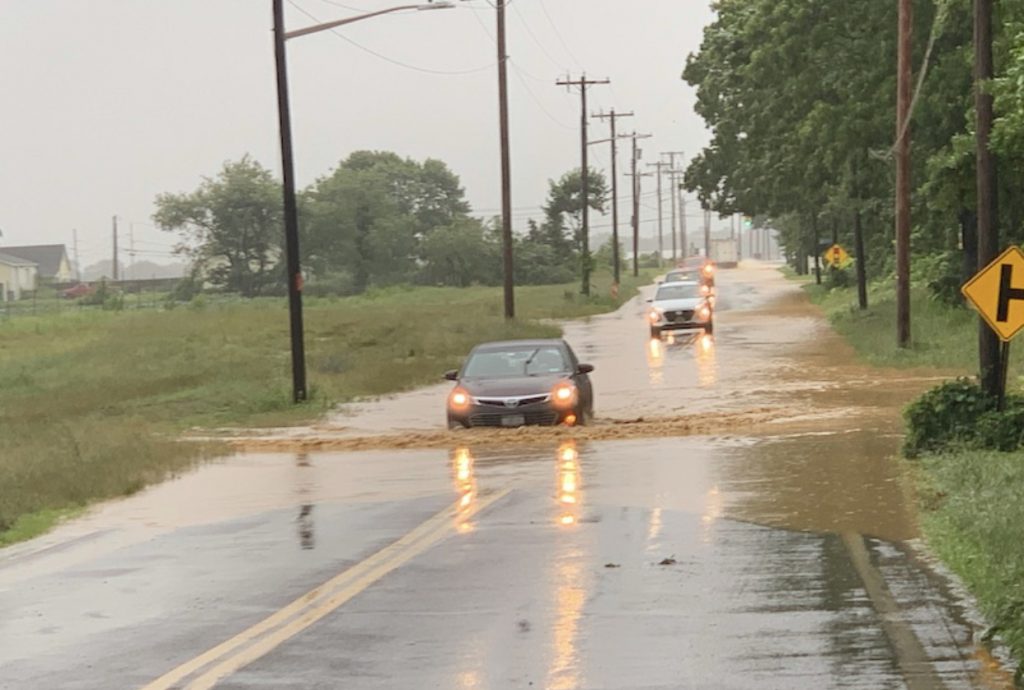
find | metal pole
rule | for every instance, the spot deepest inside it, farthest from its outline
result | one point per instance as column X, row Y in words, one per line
column 1004, row 369
column 903, row 175
column 291, row 215
column 506, row 168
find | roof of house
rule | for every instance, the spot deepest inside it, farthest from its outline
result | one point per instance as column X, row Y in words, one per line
column 47, row 256
column 15, row 260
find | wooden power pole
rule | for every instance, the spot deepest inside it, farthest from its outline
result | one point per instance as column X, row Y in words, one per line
column 612, row 118
column 506, row 174
column 989, row 356
column 903, row 97
column 583, row 83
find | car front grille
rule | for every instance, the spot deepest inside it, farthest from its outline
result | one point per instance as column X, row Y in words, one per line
column 679, row 316
column 540, row 417
column 519, row 402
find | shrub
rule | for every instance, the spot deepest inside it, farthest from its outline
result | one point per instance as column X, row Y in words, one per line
column 945, row 416
column 960, row 414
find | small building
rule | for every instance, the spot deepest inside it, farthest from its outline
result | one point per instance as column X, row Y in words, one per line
column 17, row 276
column 51, row 260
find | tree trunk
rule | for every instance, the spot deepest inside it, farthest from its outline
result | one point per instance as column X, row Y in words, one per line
column 862, row 274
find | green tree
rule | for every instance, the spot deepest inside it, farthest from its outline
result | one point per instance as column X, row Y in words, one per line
column 461, row 254
column 369, row 217
column 230, row 226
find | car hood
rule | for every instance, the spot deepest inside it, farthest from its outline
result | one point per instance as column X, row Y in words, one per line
column 512, row 386
column 687, row 304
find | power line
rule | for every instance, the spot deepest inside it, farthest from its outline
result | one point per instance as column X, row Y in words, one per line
column 399, row 63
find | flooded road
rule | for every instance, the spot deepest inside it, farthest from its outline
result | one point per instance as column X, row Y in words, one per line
column 734, row 519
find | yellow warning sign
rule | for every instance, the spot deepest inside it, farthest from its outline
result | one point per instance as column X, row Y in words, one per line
column 836, row 257
column 997, row 292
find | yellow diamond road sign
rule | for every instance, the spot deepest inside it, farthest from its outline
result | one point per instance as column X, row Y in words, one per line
column 997, row 292
column 836, row 256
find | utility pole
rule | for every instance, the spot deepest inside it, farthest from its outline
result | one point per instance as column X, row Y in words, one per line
column 707, row 233
column 612, row 119
column 583, row 83
column 78, row 263
column 131, row 252
column 660, row 166
column 291, row 212
column 114, row 270
column 989, row 356
column 636, row 198
column 903, row 89
column 684, row 238
column 506, row 167
column 675, row 202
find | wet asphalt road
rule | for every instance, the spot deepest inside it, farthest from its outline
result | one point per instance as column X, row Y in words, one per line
column 771, row 558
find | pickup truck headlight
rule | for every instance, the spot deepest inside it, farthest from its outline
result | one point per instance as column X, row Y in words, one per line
column 654, row 315
column 704, row 312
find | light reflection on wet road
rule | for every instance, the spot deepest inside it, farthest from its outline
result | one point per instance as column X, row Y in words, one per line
column 774, row 557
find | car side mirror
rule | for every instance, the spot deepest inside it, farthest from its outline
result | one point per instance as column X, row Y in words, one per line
column 452, row 375
column 585, row 368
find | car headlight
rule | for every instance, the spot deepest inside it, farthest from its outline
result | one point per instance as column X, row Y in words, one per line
column 654, row 315
column 564, row 394
column 704, row 312
column 459, row 399
column 709, row 270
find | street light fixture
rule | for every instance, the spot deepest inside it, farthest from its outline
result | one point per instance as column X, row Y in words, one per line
column 291, row 216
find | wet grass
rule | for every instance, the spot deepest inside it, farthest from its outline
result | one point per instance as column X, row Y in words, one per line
column 973, row 512
column 91, row 402
column 942, row 336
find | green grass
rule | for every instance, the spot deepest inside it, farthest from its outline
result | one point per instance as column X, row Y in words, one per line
column 974, row 509
column 942, row 337
column 91, row 402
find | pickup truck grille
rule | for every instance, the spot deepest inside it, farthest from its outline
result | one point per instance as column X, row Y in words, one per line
column 679, row 316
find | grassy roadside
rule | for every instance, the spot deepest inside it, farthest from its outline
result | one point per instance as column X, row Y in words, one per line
column 91, row 403
column 972, row 502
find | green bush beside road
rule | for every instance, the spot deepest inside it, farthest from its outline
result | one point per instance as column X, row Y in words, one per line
column 971, row 494
column 91, row 403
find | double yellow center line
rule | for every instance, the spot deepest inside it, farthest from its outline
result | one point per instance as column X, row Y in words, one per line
column 249, row 645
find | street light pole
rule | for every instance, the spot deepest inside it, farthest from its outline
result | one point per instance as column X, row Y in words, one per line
column 291, row 214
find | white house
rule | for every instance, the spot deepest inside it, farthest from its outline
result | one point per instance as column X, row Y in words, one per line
column 17, row 276
column 51, row 261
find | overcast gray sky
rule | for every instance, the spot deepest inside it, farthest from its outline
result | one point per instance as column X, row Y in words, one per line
column 108, row 103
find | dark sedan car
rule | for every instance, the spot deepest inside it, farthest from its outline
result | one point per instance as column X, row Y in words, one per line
column 519, row 382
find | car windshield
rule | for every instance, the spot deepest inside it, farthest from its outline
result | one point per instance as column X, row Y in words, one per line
column 680, row 291
column 516, row 361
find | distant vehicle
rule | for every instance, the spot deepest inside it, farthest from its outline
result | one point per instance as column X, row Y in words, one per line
column 693, row 275
column 680, row 307
column 703, row 266
column 724, row 253
column 80, row 290
column 520, row 382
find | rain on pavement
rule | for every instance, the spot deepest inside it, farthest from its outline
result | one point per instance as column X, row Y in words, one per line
column 733, row 519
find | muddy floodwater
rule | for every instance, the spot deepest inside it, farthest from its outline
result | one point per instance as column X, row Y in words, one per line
column 736, row 516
